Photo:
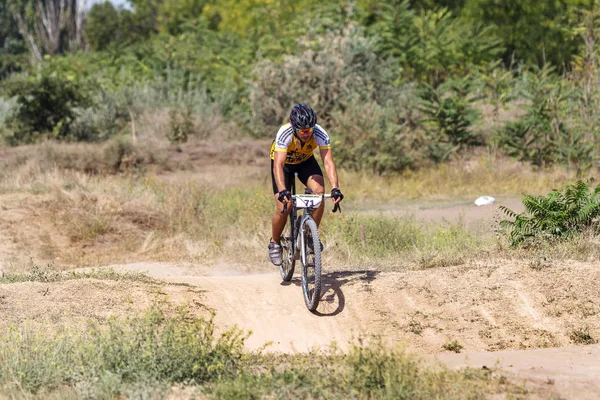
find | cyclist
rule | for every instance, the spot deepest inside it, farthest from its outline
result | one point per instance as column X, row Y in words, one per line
column 292, row 151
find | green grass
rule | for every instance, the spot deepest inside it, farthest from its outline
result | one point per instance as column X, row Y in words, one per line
column 402, row 241
column 50, row 274
column 103, row 361
column 148, row 354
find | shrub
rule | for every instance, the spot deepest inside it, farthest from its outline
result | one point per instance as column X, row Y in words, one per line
column 449, row 114
column 549, row 133
column 180, row 126
column 433, row 45
column 47, row 105
column 559, row 214
column 582, row 336
column 367, row 136
column 327, row 75
column 454, row 346
column 153, row 347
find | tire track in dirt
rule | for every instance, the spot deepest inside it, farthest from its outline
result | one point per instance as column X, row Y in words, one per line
column 512, row 309
column 275, row 313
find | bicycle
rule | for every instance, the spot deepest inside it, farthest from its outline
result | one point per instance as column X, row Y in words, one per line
column 303, row 243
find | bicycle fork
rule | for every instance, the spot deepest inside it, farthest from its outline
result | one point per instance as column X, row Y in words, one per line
column 301, row 241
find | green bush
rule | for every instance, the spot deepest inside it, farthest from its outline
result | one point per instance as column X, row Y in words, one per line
column 432, row 45
column 153, row 347
column 558, row 215
column 328, row 74
column 449, row 116
column 382, row 140
column 47, row 106
column 551, row 131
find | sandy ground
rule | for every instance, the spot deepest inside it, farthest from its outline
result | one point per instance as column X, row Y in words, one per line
column 572, row 371
column 526, row 319
column 507, row 317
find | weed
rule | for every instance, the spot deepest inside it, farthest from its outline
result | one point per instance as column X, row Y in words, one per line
column 560, row 214
column 415, row 327
column 453, row 346
column 368, row 371
column 582, row 336
column 103, row 361
column 181, row 126
column 50, row 274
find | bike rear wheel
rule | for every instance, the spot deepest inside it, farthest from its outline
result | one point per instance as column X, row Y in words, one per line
column 287, row 266
column 311, row 267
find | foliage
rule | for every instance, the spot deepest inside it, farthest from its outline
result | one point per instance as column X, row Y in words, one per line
column 180, row 126
column 560, row 214
column 49, row 27
column 533, row 32
column 248, row 61
column 369, row 370
column 50, row 274
column 449, row 114
column 108, row 27
column 498, row 83
column 47, row 106
column 547, row 133
column 145, row 355
column 155, row 346
column 381, row 140
column 453, row 345
column 432, row 45
column 13, row 49
column 328, row 75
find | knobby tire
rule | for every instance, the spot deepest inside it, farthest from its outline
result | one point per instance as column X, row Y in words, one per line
column 287, row 266
column 311, row 283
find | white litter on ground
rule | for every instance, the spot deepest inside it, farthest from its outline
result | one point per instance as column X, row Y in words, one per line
column 484, row 201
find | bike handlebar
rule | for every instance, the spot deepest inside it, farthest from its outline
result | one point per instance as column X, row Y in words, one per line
column 325, row 196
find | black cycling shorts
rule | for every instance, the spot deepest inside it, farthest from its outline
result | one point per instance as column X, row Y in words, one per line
column 305, row 170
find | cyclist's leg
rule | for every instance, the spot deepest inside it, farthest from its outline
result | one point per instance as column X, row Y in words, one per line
column 311, row 176
column 317, row 185
column 278, row 221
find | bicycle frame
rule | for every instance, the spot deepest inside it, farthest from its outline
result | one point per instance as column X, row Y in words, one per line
column 297, row 222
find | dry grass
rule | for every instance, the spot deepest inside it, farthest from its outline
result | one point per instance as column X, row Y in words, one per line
column 73, row 209
column 459, row 180
column 21, row 166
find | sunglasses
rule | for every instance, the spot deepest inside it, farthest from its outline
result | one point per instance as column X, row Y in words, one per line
column 305, row 131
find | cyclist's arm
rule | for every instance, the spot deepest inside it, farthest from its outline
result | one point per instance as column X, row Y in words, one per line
column 278, row 164
column 327, row 157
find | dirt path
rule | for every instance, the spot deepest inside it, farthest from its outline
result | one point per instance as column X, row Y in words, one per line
column 500, row 312
column 573, row 371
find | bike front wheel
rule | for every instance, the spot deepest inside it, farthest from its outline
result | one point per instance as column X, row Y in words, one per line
column 311, row 265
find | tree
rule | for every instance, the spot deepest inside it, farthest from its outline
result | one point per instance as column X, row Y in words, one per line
column 535, row 32
column 49, row 26
column 13, row 49
column 108, row 26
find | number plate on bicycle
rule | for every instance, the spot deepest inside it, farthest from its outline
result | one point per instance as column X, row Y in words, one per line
column 308, row 200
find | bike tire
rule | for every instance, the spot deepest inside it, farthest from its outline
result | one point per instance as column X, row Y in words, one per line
column 287, row 266
column 311, row 267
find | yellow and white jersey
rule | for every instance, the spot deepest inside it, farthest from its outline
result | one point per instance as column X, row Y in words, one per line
column 286, row 141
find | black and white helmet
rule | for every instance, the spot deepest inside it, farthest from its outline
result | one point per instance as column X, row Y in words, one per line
column 303, row 117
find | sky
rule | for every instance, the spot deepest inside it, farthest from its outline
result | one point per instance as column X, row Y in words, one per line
column 117, row 3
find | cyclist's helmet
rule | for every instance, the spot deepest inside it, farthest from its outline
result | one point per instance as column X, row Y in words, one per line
column 303, row 117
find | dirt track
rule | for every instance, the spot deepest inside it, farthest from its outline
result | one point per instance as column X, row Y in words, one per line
column 496, row 309
column 499, row 313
